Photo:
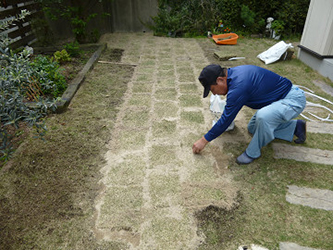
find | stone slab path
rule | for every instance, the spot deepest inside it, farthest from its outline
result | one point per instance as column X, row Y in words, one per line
column 315, row 198
column 320, row 127
column 293, row 246
column 304, row 154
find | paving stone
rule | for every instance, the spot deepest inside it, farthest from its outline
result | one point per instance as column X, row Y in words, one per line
column 328, row 89
column 293, row 246
column 315, row 198
column 319, row 127
column 299, row 153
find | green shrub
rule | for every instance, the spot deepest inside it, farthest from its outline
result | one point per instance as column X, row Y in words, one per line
column 61, row 56
column 48, row 74
column 196, row 17
column 73, row 49
column 17, row 83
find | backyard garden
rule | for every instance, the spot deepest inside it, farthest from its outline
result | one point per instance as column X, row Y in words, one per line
column 115, row 169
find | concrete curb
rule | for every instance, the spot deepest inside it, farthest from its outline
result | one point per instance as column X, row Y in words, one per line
column 75, row 84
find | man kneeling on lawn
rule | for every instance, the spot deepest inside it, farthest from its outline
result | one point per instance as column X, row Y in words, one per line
column 276, row 99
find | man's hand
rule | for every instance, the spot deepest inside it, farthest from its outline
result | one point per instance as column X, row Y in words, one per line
column 199, row 145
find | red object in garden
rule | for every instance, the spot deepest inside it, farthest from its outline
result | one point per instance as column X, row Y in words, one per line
column 226, row 39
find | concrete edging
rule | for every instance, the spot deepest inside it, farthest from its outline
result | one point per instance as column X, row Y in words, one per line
column 75, row 84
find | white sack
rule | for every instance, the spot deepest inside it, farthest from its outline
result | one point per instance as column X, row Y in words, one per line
column 274, row 53
column 217, row 107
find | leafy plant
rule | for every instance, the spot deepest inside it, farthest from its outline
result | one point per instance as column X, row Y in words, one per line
column 197, row 17
column 19, row 81
column 61, row 56
column 77, row 12
column 278, row 27
column 17, row 78
column 248, row 16
column 73, row 49
column 48, row 73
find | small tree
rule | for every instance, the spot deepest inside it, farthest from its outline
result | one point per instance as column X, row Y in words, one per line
column 77, row 12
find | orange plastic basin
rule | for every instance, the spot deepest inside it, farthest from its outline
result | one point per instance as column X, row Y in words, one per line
column 227, row 39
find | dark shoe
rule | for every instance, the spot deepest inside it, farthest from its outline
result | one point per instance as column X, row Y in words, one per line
column 244, row 159
column 300, row 132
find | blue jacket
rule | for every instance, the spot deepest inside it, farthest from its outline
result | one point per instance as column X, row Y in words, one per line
column 252, row 86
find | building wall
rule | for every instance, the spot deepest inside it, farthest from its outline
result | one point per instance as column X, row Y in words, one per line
column 316, row 46
column 318, row 29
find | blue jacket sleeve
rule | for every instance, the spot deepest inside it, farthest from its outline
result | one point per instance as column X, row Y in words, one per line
column 232, row 108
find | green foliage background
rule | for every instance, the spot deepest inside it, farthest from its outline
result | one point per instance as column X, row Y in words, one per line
column 181, row 18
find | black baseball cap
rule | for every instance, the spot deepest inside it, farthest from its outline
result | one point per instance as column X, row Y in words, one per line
column 208, row 77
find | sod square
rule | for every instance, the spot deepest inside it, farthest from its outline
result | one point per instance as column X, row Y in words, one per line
column 166, row 83
column 186, row 78
column 190, row 101
column 131, row 171
column 192, row 117
column 140, row 100
column 164, row 189
column 135, row 118
column 164, row 128
column 188, row 88
column 144, row 78
column 166, row 94
column 159, row 231
column 162, row 155
column 140, row 87
column 122, row 208
column 131, row 139
column 166, row 110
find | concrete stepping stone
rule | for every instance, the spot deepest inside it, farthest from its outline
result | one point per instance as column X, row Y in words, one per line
column 319, row 127
column 315, row 198
column 328, row 89
column 299, row 153
column 293, row 246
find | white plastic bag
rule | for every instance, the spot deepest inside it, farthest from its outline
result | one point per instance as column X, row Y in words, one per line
column 217, row 107
column 275, row 52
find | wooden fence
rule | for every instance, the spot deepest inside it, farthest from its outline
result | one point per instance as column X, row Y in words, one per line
column 21, row 31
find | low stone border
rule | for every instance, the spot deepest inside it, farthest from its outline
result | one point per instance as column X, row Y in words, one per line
column 75, row 84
